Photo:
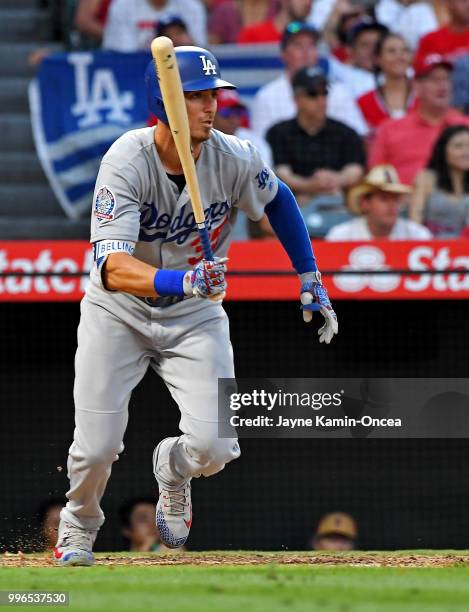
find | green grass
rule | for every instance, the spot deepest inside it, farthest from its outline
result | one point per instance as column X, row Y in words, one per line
column 259, row 588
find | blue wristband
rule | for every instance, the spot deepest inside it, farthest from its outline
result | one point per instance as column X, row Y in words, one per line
column 169, row 282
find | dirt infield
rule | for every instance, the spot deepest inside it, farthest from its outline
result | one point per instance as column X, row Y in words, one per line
column 350, row 559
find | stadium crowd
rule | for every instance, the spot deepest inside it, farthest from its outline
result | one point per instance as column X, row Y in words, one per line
column 368, row 122
column 136, row 520
column 334, row 531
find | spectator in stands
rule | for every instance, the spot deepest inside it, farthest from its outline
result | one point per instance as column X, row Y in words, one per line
column 335, row 531
column 321, row 11
column 393, row 95
column 388, row 12
column 377, row 201
column 232, row 118
column 441, row 197
column 48, row 516
column 357, row 74
column 412, row 20
column 137, row 517
column 274, row 101
column 131, row 24
column 343, row 18
column 79, row 31
column 406, row 143
column 313, row 154
column 271, row 31
column 230, row 17
column 363, row 39
column 450, row 41
column 174, row 28
column 90, row 17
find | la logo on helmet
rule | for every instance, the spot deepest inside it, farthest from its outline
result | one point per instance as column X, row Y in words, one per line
column 208, row 66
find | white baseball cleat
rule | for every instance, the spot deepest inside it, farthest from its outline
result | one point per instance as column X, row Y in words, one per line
column 174, row 516
column 74, row 545
column 173, row 511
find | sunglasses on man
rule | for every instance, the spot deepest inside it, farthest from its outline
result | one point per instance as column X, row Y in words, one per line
column 318, row 92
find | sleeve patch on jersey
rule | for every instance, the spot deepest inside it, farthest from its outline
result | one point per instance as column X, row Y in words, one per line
column 105, row 204
column 263, row 179
column 106, row 247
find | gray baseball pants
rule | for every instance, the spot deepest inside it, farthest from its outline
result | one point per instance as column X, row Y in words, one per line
column 119, row 336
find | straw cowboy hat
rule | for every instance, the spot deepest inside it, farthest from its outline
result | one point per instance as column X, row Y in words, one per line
column 379, row 178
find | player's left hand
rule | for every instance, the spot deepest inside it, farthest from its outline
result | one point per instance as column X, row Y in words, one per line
column 314, row 297
column 208, row 278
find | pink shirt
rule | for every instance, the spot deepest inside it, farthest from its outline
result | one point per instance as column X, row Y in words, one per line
column 407, row 143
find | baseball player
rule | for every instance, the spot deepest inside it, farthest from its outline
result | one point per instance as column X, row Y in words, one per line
column 146, row 304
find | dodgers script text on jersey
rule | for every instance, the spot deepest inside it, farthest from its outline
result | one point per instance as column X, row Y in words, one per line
column 149, row 211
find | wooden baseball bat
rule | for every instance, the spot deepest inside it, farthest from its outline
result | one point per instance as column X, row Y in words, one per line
column 167, row 72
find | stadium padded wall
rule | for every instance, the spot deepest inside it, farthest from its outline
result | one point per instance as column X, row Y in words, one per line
column 403, row 493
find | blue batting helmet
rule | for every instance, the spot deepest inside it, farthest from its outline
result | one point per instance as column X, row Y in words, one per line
column 199, row 70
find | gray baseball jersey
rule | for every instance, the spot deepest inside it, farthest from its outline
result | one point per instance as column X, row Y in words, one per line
column 142, row 205
column 137, row 209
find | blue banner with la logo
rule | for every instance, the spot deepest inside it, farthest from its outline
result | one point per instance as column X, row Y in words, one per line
column 80, row 104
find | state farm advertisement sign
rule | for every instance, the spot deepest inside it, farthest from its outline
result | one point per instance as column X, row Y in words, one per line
column 421, row 258
column 440, row 270
column 260, row 270
column 51, row 257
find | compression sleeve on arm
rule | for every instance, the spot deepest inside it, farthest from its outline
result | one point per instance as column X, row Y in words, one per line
column 287, row 222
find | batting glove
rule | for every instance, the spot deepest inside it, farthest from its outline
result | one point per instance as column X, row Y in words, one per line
column 207, row 279
column 314, row 297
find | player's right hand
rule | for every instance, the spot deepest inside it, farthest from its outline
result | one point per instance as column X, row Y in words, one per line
column 208, row 278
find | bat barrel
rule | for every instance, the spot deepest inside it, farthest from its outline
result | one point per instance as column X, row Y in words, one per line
column 175, row 106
